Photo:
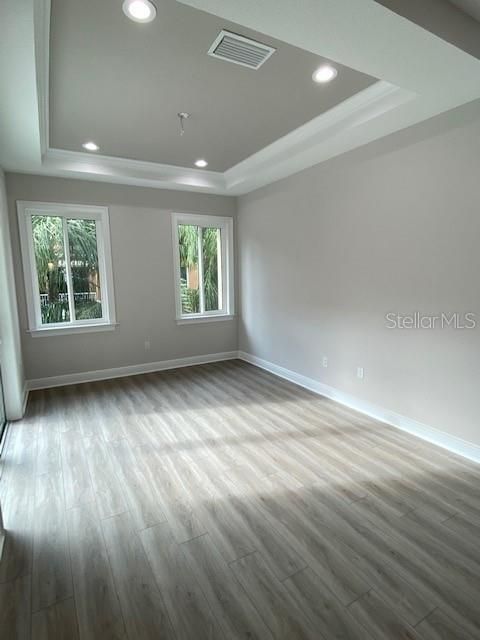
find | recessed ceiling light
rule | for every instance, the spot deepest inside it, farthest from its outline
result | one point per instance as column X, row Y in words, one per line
column 139, row 10
column 325, row 73
column 90, row 146
column 201, row 163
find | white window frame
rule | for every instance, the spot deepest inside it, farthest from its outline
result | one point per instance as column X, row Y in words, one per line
column 227, row 271
column 25, row 211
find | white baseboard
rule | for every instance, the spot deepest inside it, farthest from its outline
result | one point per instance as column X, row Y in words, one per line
column 131, row 370
column 423, row 431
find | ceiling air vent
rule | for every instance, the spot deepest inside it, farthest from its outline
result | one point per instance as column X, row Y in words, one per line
column 239, row 50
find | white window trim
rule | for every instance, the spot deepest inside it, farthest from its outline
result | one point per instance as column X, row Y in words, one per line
column 226, row 226
column 100, row 214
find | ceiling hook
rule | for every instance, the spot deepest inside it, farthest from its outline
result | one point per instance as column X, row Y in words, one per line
column 182, row 115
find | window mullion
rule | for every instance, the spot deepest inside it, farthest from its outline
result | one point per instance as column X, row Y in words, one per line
column 34, row 272
column 220, row 267
column 68, row 271
column 200, row 269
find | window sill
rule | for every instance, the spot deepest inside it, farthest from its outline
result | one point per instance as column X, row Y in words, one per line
column 200, row 319
column 61, row 331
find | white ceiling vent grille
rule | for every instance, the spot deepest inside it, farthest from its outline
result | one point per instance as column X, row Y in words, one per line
column 239, row 50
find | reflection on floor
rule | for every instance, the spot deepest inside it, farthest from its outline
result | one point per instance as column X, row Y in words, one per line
column 221, row 502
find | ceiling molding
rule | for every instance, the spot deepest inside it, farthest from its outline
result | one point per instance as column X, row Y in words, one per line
column 287, row 155
column 368, row 37
column 329, row 134
column 92, row 166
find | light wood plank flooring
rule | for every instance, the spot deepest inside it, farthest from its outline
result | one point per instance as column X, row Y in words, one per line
column 220, row 502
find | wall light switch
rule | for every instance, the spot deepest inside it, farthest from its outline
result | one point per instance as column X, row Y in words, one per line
column 147, row 345
column 325, row 361
column 360, row 373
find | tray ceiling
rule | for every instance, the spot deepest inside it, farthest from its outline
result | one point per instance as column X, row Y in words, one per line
column 122, row 84
column 254, row 127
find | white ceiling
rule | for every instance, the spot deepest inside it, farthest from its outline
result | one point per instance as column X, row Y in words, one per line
column 420, row 73
column 122, row 84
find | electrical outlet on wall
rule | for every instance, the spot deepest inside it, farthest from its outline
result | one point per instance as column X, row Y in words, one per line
column 147, row 345
column 325, row 362
column 360, row 373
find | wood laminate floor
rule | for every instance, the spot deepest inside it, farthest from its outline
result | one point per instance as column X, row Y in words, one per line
column 220, row 502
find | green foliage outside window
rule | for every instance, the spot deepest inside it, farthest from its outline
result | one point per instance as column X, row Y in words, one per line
column 189, row 264
column 48, row 242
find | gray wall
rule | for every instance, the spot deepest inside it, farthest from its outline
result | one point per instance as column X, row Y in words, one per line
column 394, row 226
column 140, row 228
column 10, row 347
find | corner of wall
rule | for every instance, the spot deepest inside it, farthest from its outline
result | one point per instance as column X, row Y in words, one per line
column 11, row 360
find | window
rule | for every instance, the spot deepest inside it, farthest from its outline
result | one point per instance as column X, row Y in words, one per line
column 203, row 259
column 67, row 267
